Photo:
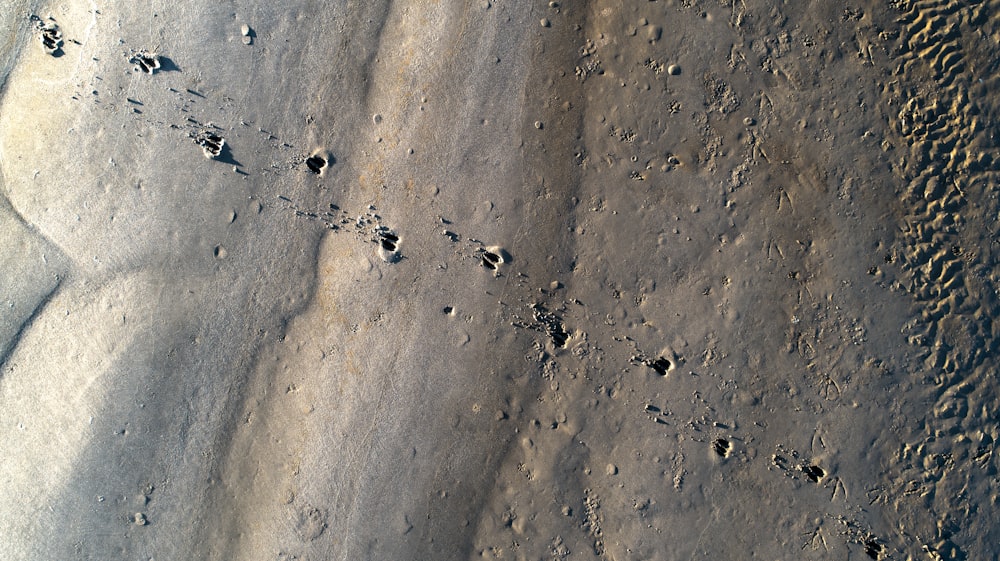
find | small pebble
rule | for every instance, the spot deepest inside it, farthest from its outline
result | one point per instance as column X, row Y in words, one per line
column 612, row 469
column 247, row 40
column 539, row 125
column 749, row 121
column 245, row 30
column 545, row 22
column 673, row 70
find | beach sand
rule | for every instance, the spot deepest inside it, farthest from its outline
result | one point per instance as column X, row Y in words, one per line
column 650, row 280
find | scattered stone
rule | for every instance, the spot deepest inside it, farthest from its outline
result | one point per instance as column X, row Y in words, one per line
column 139, row 519
column 673, row 70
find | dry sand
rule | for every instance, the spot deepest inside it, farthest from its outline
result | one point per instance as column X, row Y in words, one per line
column 650, row 280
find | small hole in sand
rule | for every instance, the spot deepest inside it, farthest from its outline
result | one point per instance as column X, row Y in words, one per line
column 448, row 310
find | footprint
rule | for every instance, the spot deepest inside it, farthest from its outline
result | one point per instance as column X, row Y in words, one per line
column 388, row 244
column 873, row 549
column 490, row 260
column 814, row 473
column 49, row 35
column 310, row 523
column 551, row 325
column 211, row 144
column 660, row 365
column 317, row 163
column 388, row 241
column 493, row 257
column 722, row 447
column 145, row 61
column 655, row 414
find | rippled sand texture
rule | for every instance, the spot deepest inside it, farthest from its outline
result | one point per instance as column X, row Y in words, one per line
column 641, row 279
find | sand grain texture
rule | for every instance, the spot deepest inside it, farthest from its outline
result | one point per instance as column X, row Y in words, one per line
column 693, row 279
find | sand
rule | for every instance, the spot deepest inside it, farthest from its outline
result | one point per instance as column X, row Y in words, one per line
column 651, row 280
